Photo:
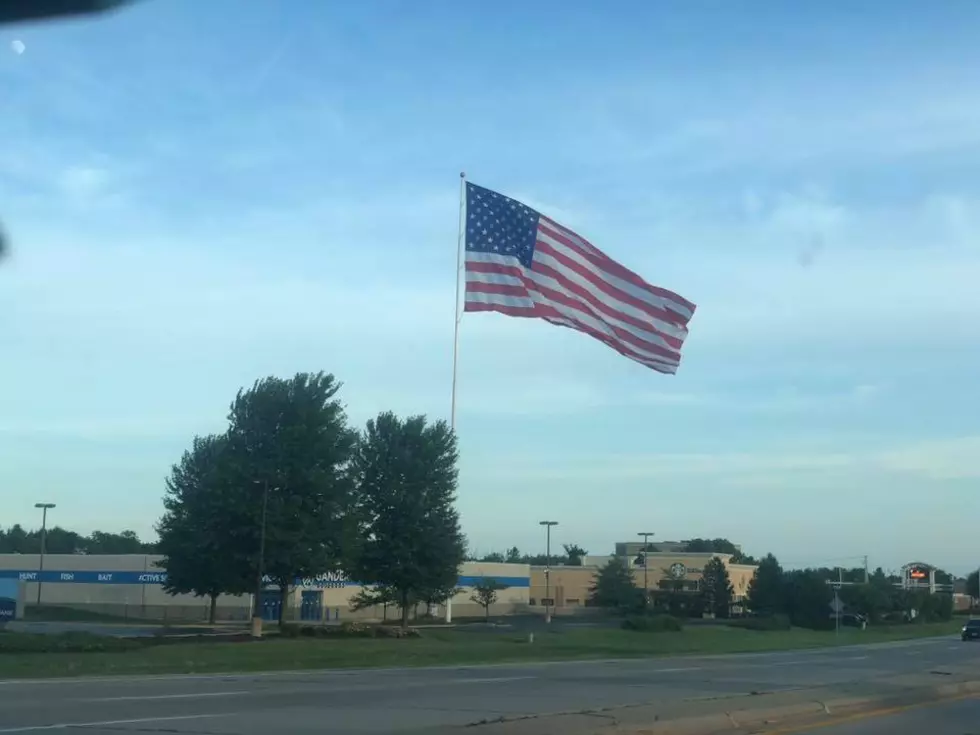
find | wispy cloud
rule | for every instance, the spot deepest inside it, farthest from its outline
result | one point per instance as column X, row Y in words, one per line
column 952, row 458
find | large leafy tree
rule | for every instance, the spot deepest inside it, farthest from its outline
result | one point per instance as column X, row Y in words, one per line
column 973, row 585
column 807, row 599
column 574, row 554
column 291, row 449
column 767, row 590
column 202, row 554
column 874, row 600
column 405, row 473
column 614, row 587
column 716, row 588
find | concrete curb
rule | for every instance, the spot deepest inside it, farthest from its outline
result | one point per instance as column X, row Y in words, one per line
column 758, row 719
column 818, row 706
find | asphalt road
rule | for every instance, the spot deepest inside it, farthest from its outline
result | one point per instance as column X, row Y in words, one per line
column 404, row 701
column 950, row 718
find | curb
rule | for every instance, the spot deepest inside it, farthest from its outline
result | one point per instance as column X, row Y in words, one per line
column 754, row 719
column 735, row 717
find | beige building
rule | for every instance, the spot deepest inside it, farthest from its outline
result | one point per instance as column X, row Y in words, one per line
column 131, row 586
column 569, row 586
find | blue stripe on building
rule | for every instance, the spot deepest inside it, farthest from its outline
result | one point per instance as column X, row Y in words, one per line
column 318, row 582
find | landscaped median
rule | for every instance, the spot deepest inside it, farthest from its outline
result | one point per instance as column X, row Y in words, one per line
column 30, row 655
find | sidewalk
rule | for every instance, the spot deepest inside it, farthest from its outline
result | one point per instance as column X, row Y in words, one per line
column 748, row 713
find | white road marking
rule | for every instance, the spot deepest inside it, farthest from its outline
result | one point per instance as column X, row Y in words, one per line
column 108, row 723
column 140, row 698
column 486, row 680
column 672, row 671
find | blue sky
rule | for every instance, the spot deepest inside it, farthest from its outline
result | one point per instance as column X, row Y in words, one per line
column 200, row 194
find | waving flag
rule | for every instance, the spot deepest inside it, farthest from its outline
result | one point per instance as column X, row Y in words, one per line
column 520, row 263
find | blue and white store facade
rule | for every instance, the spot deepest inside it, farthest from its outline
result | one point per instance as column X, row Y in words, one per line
column 131, row 586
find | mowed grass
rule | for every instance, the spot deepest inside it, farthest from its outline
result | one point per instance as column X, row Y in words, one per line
column 436, row 648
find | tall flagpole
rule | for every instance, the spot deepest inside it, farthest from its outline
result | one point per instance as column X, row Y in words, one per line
column 459, row 266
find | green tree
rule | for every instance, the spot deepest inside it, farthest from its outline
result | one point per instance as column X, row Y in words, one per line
column 574, row 554
column 718, row 546
column 58, row 540
column 614, row 587
column 766, row 595
column 513, row 555
column 200, row 553
column 494, row 557
column 874, row 600
column 716, row 588
column 371, row 596
column 973, row 585
column 485, row 594
column 807, row 599
column 291, row 448
column 405, row 472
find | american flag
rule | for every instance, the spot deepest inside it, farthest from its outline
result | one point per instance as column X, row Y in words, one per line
column 520, row 263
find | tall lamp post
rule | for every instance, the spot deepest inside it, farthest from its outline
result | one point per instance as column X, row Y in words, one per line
column 547, row 569
column 646, row 588
column 260, row 573
column 44, row 537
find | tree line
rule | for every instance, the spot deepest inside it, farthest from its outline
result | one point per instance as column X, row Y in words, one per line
column 799, row 597
column 571, row 555
column 375, row 504
column 18, row 540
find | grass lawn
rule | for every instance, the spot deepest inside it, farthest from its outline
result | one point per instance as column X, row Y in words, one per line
column 437, row 647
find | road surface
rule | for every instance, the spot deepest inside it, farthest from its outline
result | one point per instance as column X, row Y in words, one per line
column 949, row 718
column 414, row 701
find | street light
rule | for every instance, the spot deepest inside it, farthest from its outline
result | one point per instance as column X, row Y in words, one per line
column 646, row 544
column 257, row 602
column 547, row 569
column 44, row 536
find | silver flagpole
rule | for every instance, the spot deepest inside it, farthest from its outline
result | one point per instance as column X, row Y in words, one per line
column 459, row 266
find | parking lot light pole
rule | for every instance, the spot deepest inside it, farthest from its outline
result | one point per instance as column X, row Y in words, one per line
column 44, row 538
column 547, row 569
column 646, row 588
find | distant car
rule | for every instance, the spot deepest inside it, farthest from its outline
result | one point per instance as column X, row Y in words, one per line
column 971, row 631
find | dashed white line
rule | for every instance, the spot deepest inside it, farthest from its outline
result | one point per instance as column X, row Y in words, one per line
column 107, row 723
column 152, row 697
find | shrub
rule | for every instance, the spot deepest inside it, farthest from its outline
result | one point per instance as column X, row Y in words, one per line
column 353, row 629
column 767, row 623
column 653, row 624
column 384, row 631
column 71, row 642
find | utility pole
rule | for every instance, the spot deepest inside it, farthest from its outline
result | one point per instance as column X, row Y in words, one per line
column 547, row 569
column 837, row 602
column 866, row 578
column 645, row 535
column 44, row 538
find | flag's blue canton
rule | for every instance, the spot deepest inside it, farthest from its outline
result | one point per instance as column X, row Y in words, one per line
column 499, row 224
